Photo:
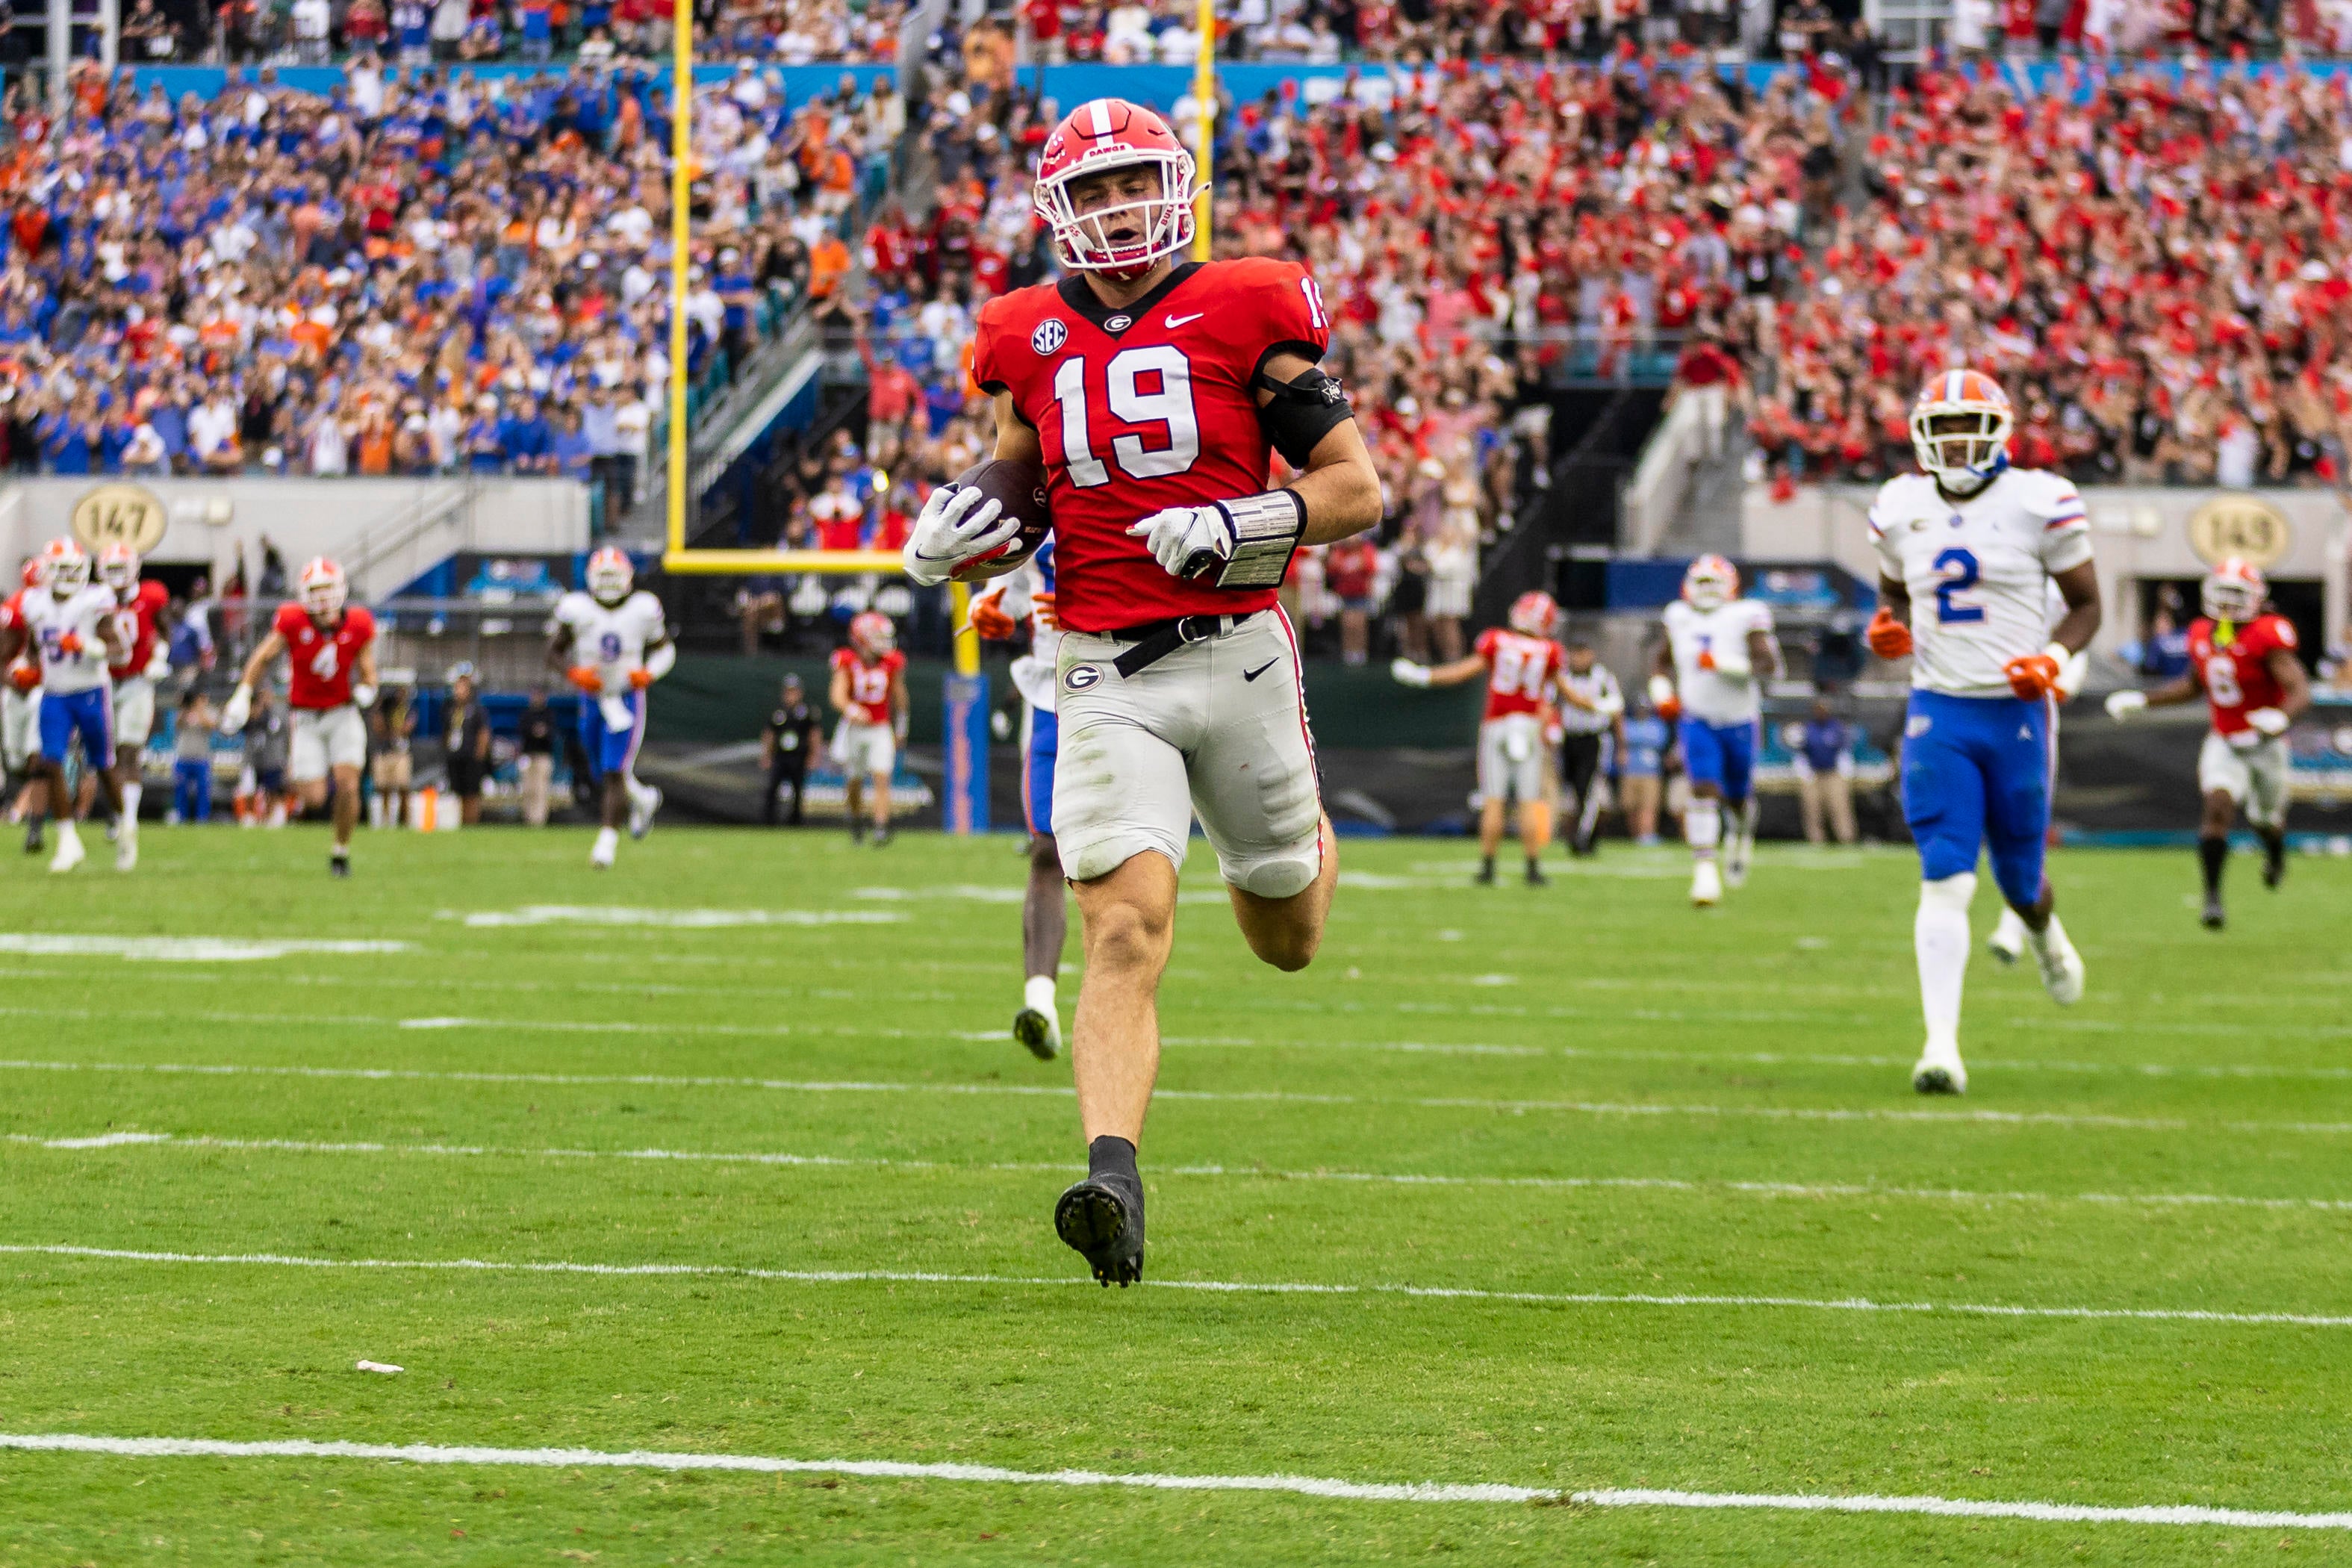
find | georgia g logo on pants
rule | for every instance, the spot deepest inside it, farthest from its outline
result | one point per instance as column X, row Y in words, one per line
column 1081, row 676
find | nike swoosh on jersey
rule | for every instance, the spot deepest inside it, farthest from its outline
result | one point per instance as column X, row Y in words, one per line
column 1179, row 321
column 1261, row 670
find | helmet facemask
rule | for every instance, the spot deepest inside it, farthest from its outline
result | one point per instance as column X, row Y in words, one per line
column 1106, row 217
column 610, row 579
column 2228, row 598
column 1962, row 444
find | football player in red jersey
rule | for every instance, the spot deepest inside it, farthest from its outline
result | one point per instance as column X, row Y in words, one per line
column 145, row 661
column 330, row 650
column 2242, row 658
column 20, row 712
column 1523, row 668
column 1155, row 393
column 870, row 692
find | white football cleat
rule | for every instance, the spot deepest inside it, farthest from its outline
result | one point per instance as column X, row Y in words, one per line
column 608, row 843
column 1707, row 885
column 2062, row 967
column 1939, row 1072
column 2007, row 942
column 71, row 853
column 126, row 852
column 643, row 803
column 1735, row 856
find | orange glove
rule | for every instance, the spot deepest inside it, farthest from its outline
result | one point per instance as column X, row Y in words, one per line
column 641, row 679
column 987, row 617
column 2034, row 676
column 22, row 676
column 1042, row 604
column 585, row 678
column 1671, row 709
column 1888, row 637
column 69, row 644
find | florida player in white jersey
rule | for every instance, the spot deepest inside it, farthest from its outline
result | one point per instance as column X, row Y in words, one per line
column 1523, row 665
column 1710, row 672
column 2242, row 656
column 146, row 659
column 1155, row 396
column 1966, row 554
column 997, row 613
column 70, row 625
column 611, row 642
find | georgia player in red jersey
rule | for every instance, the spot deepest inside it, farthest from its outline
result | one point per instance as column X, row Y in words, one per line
column 2242, row 658
column 1523, row 667
column 1155, row 393
column 870, row 692
column 146, row 661
column 20, row 712
column 330, row 648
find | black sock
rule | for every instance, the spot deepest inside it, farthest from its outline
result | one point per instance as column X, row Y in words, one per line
column 2273, row 843
column 1487, row 863
column 1111, row 1155
column 2212, row 852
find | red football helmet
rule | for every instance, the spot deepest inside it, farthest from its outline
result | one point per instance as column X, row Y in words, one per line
column 2234, row 591
column 323, row 587
column 872, row 635
column 1536, row 614
column 1123, row 239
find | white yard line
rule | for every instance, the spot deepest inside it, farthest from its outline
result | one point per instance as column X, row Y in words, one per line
column 1292, row 1486
column 1219, row 1286
column 1829, row 1190
column 1252, row 1097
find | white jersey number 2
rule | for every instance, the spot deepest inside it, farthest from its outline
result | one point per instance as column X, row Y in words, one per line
column 1169, row 404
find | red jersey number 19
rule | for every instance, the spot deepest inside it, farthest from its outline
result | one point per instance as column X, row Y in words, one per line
column 1169, row 404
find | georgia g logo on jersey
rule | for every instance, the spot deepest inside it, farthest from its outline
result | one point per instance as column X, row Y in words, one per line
column 1050, row 335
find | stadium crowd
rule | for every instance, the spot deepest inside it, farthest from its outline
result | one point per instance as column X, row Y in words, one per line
column 2158, row 274
column 422, row 273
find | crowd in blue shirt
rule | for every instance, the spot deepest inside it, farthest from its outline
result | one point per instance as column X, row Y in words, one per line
column 419, row 272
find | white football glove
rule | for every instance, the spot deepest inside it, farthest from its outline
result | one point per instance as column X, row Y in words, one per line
column 1407, row 673
column 1661, row 691
column 363, row 695
column 237, row 709
column 159, row 662
column 2270, row 722
column 2122, row 705
column 957, row 526
column 1181, row 536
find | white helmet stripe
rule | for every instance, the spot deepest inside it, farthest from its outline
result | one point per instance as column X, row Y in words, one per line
column 1099, row 112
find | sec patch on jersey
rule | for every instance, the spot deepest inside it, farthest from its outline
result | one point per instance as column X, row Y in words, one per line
column 1019, row 487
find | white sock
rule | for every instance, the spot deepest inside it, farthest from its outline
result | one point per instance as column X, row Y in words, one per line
column 1037, row 992
column 66, row 832
column 608, row 839
column 1940, row 934
column 1703, row 829
column 2050, row 935
column 131, row 794
column 642, row 793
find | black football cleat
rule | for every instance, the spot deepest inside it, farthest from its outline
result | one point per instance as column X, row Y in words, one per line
column 33, row 845
column 1102, row 1219
column 881, row 833
column 1485, row 876
column 858, row 830
column 1536, row 879
column 339, row 864
column 2214, row 919
column 2273, row 866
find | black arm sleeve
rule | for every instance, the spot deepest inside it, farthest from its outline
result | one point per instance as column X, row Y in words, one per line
column 1303, row 412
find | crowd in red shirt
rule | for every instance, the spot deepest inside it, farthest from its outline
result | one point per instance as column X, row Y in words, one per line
column 2158, row 275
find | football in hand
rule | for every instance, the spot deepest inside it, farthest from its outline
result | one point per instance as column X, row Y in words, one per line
column 1020, row 488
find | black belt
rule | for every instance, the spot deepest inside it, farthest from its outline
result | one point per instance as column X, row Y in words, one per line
column 1155, row 640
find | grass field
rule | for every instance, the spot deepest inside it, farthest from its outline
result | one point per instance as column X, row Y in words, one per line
column 1593, row 1192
